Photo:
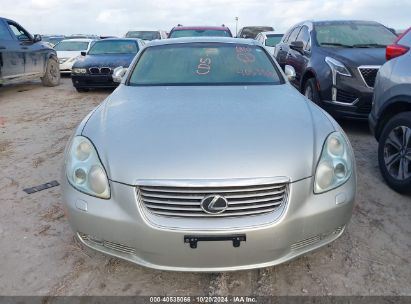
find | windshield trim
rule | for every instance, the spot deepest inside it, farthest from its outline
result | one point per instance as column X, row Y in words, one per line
column 140, row 54
column 228, row 33
column 206, row 84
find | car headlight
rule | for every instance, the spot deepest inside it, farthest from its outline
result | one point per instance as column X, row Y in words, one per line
column 84, row 169
column 79, row 71
column 335, row 165
column 73, row 59
column 62, row 60
column 337, row 67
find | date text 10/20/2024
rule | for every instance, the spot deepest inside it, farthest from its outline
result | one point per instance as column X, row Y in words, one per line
column 204, row 299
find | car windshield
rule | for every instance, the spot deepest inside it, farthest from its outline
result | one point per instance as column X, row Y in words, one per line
column 71, row 46
column 352, row 34
column 199, row 33
column 273, row 40
column 145, row 35
column 53, row 41
column 114, row 47
column 252, row 32
column 204, row 64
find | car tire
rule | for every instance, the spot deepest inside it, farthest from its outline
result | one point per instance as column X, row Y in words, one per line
column 311, row 91
column 82, row 90
column 52, row 76
column 394, row 152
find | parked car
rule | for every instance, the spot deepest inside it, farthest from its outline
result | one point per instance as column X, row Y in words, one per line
column 95, row 68
column 252, row 31
column 269, row 40
column 23, row 56
column 68, row 51
column 198, row 154
column 336, row 63
column 52, row 40
column 390, row 118
column 82, row 36
column 200, row 31
column 147, row 35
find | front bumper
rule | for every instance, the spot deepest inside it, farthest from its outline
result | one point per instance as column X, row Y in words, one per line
column 88, row 81
column 120, row 227
column 66, row 67
column 372, row 123
column 351, row 98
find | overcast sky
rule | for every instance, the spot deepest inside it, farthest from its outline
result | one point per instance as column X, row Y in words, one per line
column 116, row 17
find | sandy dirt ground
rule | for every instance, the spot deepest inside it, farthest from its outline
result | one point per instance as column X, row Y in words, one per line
column 39, row 255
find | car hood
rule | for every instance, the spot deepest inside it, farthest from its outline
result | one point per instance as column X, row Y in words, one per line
column 355, row 57
column 68, row 54
column 207, row 133
column 113, row 60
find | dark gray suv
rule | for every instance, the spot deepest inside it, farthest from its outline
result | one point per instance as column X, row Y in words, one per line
column 336, row 62
column 390, row 118
column 23, row 56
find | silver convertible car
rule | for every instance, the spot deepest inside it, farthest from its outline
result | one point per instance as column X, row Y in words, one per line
column 205, row 158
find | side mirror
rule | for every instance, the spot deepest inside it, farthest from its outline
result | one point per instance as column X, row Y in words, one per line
column 83, row 53
column 297, row 46
column 119, row 73
column 290, row 72
column 36, row 38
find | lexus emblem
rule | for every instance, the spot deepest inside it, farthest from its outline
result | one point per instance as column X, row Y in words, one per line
column 214, row 204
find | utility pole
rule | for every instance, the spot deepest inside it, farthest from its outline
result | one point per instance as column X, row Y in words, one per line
column 236, row 25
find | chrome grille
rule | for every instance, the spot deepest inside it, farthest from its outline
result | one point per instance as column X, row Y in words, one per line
column 186, row 201
column 110, row 245
column 315, row 239
column 369, row 74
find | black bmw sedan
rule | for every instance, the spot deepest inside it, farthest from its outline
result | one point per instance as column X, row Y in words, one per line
column 95, row 68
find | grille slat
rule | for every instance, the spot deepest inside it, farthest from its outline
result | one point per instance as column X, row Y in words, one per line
column 156, row 201
column 210, row 189
column 180, row 208
column 225, row 214
column 227, row 196
column 271, row 204
column 186, row 201
column 369, row 74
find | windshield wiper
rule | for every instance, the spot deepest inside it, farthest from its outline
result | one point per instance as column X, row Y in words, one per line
column 369, row 45
column 336, row 44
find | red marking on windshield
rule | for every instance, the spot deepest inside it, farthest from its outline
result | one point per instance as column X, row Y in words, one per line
column 256, row 72
column 244, row 54
column 204, row 66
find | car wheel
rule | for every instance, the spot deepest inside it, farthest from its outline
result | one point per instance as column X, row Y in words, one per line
column 394, row 152
column 82, row 90
column 52, row 76
column 311, row 91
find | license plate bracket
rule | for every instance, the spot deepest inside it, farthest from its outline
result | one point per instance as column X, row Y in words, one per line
column 194, row 239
